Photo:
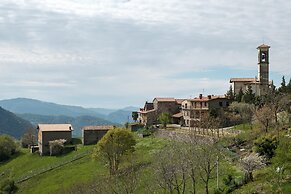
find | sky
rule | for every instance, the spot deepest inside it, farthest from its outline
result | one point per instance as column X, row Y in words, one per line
column 117, row 53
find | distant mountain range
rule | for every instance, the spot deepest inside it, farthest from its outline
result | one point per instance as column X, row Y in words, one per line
column 77, row 122
column 12, row 125
column 36, row 111
column 37, row 107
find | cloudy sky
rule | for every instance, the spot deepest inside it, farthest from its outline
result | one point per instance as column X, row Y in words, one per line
column 115, row 53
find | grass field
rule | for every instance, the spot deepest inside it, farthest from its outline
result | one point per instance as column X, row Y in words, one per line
column 86, row 170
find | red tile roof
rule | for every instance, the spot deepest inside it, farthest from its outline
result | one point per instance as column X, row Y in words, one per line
column 178, row 115
column 206, row 98
column 146, row 111
column 179, row 101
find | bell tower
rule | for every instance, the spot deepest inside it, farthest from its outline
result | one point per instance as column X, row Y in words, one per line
column 263, row 68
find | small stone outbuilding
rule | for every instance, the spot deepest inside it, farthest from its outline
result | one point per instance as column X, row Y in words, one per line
column 92, row 134
column 51, row 132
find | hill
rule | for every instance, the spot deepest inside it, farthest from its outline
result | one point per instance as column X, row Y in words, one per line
column 32, row 106
column 65, row 177
column 37, row 107
column 12, row 125
column 77, row 122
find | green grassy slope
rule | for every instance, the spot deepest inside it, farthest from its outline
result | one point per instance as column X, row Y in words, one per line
column 80, row 171
column 51, row 181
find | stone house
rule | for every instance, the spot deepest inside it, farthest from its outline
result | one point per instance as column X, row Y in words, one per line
column 50, row 132
column 151, row 111
column 92, row 134
column 194, row 109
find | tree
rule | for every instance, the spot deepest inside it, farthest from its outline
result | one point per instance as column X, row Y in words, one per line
column 283, row 88
column 171, row 169
column 29, row 138
column 249, row 96
column 245, row 111
column 250, row 163
column 7, row 186
column 276, row 101
column 134, row 115
column 238, row 97
column 57, row 146
column 282, row 158
column 266, row 146
column 7, row 147
column 207, row 156
column 265, row 117
column 164, row 119
column 115, row 144
column 230, row 93
column 288, row 87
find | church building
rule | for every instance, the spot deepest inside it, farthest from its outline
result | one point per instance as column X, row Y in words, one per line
column 259, row 84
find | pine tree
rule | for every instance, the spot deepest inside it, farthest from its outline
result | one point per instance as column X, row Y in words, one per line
column 239, row 96
column 288, row 87
column 230, row 93
column 249, row 96
column 283, row 85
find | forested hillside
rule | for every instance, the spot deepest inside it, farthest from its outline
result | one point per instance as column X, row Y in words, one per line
column 12, row 125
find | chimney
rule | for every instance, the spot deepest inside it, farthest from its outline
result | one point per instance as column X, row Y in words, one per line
column 209, row 97
column 200, row 96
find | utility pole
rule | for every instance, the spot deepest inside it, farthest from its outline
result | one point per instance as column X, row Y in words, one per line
column 217, row 173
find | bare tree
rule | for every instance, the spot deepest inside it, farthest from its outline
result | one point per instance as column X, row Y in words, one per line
column 265, row 117
column 207, row 154
column 172, row 168
column 29, row 138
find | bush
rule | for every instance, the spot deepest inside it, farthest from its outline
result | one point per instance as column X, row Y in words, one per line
column 230, row 184
column 7, row 186
column 7, row 147
column 57, row 147
column 266, row 146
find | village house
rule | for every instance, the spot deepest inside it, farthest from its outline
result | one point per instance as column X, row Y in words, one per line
column 151, row 111
column 92, row 134
column 194, row 109
column 259, row 84
column 51, row 132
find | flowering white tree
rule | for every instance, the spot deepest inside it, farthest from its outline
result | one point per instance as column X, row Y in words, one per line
column 250, row 163
column 57, row 146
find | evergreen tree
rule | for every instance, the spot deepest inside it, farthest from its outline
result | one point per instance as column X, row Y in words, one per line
column 249, row 96
column 230, row 93
column 239, row 96
column 283, row 85
column 288, row 87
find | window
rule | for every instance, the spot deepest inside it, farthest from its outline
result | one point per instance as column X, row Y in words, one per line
column 205, row 103
column 200, row 104
column 186, row 105
column 220, row 103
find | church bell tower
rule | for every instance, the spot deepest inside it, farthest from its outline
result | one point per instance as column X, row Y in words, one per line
column 263, row 68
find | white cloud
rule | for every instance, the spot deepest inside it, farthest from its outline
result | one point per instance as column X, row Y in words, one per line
column 122, row 52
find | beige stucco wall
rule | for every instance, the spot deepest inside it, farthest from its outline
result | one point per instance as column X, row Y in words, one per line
column 47, row 136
